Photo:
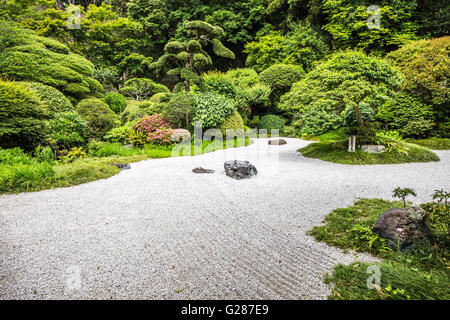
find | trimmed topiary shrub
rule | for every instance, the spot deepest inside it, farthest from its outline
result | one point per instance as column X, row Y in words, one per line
column 26, row 56
column 21, row 116
column 116, row 102
column 99, row 117
column 271, row 122
column 66, row 130
column 51, row 97
column 233, row 122
column 281, row 77
column 160, row 97
column 211, row 109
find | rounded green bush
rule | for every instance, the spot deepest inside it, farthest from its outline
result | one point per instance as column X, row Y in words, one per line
column 280, row 77
column 99, row 117
column 22, row 116
column 51, row 97
column 233, row 122
column 211, row 109
column 160, row 97
column 271, row 122
column 116, row 101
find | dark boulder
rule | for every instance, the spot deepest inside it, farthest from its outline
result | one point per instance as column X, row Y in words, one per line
column 403, row 227
column 122, row 166
column 239, row 169
column 202, row 170
column 277, row 142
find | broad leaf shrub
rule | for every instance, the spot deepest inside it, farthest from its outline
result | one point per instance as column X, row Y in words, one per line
column 22, row 116
column 53, row 99
column 271, row 122
column 98, row 116
column 29, row 57
column 119, row 135
column 152, row 129
column 66, row 130
column 116, row 102
column 211, row 109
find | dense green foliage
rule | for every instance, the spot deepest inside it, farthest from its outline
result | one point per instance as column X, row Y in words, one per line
column 99, row 117
column 66, row 130
column 116, row 102
column 21, row 116
column 26, row 56
column 426, row 67
column 271, row 122
column 234, row 124
column 211, row 109
column 281, row 77
column 301, row 45
column 52, row 98
column 347, row 80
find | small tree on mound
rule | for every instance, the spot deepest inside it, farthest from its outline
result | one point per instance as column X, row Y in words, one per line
column 347, row 80
column 185, row 60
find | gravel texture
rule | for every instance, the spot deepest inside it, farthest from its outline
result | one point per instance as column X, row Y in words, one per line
column 159, row 228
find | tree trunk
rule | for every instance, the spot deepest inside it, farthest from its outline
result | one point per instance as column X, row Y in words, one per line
column 358, row 117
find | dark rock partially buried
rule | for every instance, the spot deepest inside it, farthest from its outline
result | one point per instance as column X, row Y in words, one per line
column 239, row 169
column 403, row 227
column 277, row 142
column 122, row 166
column 202, row 170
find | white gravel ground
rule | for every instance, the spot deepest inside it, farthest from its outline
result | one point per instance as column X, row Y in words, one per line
column 159, row 228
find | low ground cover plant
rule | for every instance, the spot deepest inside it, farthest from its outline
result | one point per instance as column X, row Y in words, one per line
column 419, row 273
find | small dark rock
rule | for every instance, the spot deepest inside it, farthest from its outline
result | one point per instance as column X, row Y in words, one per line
column 403, row 227
column 277, row 142
column 123, row 166
column 202, row 170
column 240, row 169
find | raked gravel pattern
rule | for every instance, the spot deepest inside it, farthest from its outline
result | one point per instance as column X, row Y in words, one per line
column 159, row 231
